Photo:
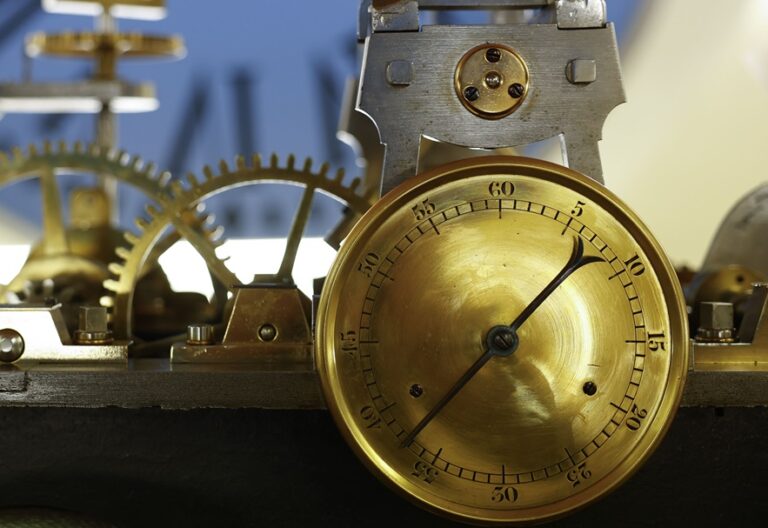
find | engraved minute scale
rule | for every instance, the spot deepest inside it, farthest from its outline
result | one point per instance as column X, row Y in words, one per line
column 502, row 340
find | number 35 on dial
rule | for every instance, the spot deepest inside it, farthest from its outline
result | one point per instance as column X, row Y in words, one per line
column 502, row 340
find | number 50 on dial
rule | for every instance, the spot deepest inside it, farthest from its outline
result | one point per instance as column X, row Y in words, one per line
column 502, row 340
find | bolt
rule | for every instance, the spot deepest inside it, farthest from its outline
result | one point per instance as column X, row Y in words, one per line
column 493, row 55
column 92, row 327
column 516, row 90
column 92, row 319
column 715, row 322
column 199, row 334
column 416, row 390
column 267, row 332
column 471, row 93
column 493, row 80
column 590, row 388
column 11, row 345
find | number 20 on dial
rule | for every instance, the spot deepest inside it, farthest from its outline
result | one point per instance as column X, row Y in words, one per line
column 502, row 340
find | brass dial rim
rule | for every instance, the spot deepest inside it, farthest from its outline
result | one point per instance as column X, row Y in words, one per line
column 402, row 196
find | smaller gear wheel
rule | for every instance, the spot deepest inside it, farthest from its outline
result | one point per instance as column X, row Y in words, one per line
column 181, row 209
column 71, row 261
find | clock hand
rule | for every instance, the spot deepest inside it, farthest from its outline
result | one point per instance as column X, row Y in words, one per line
column 502, row 340
column 576, row 261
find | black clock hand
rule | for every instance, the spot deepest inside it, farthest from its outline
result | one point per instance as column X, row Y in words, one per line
column 502, row 340
column 576, row 261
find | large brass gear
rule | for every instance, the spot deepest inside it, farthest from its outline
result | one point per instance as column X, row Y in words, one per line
column 184, row 199
column 78, row 256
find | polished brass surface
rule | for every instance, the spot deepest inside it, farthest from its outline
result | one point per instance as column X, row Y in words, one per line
column 568, row 403
column 267, row 324
column 91, row 45
column 491, row 80
column 179, row 211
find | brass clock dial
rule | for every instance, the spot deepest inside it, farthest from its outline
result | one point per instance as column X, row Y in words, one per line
column 502, row 340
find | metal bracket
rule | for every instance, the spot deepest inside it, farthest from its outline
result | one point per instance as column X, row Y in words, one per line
column 575, row 80
column 428, row 105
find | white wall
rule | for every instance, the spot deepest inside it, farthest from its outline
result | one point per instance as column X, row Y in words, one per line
column 693, row 136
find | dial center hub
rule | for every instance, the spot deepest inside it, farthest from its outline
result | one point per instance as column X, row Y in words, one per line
column 502, row 340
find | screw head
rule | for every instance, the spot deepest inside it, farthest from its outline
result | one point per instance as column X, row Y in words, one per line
column 493, row 80
column 516, row 90
column 504, row 340
column 492, row 55
column 11, row 345
column 590, row 389
column 471, row 93
column 416, row 390
column 267, row 332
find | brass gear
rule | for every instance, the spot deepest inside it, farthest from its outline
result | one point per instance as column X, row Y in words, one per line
column 71, row 255
column 183, row 201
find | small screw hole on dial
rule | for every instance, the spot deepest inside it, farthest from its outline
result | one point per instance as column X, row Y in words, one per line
column 590, row 388
column 740, row 278
column 416, row 390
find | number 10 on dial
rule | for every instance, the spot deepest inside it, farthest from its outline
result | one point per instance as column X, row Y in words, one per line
column 502, row 340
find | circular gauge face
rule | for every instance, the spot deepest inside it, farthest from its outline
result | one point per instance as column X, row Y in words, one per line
column 502, row 340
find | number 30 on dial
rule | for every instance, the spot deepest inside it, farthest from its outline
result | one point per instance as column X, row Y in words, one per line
column 502, row 340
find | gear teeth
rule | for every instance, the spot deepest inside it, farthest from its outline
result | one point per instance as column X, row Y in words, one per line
column 308, row 165
column 130, row 237
column 151, row 211
column 122, row 252
column 111, row 285
column 141, row 223
column 150, row 171
column 77, row 147
column 324, row 168
column 3, row 160
column 32, row 149
column 18, row 155
column 290, row 162
column 208, row 172
column 192, row 180
column 115, row 268
column 240, row 163
column 216, row 234
column 223, row 167
column 47, row 147
column 136, row 163
column 164, row 178
column 273, row 161
column 354, row 184
column 122, row 157
column 256, row 161
column 94, row 150
column 339, row 176
column 177, row 189
column 63, row 147
column 107, row 301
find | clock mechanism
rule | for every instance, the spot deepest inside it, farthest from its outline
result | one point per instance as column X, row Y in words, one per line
column 500, row 339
